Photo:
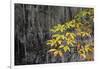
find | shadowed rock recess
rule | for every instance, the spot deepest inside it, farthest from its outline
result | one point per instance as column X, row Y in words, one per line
column 32, row 24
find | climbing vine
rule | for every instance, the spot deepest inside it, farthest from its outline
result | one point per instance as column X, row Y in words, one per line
column 77, row 33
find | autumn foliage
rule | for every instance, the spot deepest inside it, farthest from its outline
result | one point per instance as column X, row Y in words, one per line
column 76, row 33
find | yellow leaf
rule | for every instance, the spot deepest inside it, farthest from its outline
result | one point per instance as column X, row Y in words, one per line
column 70, row 41
column 51, row 42
column 70, row 35
column 56, row 45
column 85, row 34
column 52, row 30
column 72, row 44
column 61, row 46
column 81, row 51
column 66, row 48
column 59, row 41
column 52, row 50
column 58, row 36
column 88, row 48
column 83, row 55
column 62, row 36
column 56, row 53
column 60, row 54
column 91, row 49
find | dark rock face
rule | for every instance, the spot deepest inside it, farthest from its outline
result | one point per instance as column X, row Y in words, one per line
column 32, row 24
